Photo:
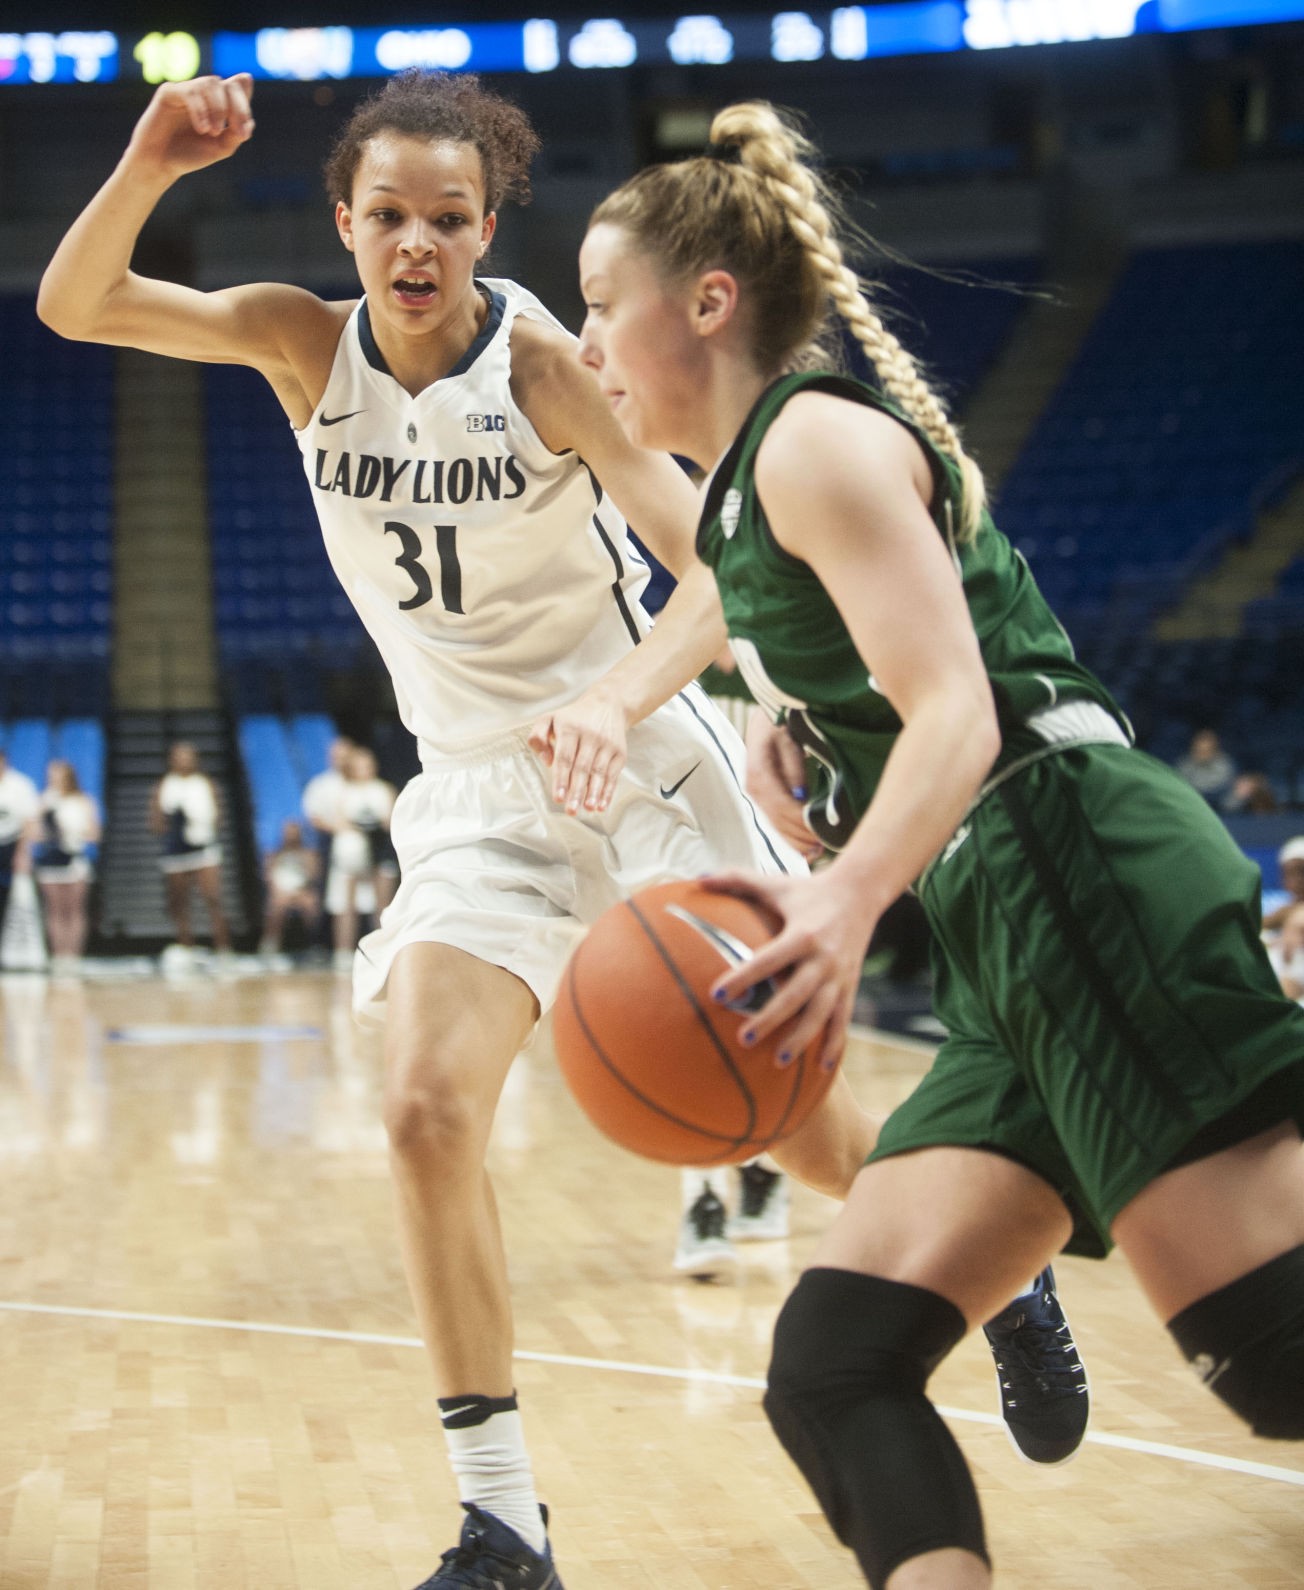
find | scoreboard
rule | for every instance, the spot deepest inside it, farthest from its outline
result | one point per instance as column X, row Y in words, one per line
column 541, row 44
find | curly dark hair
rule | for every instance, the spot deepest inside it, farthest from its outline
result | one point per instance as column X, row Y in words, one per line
column 441, row 106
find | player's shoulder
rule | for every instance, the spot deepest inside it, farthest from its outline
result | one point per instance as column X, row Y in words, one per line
column 819, row 435
column 297, row 318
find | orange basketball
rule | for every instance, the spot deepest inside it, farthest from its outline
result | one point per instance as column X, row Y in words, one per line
column 655, row 1063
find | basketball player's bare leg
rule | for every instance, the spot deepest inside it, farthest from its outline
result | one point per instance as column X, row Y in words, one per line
column 209, row 881
column 829, row 1149
column 1218, row 1246
column 454, row 1025
column 178, row 890
column 929, row 1244
column 1195, row 1229
column 60, row 927
column 77, row 899
column 346, row 919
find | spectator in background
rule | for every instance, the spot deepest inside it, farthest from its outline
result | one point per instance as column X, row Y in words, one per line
column 361, row 852
column 186, row 813
column 1206, row 767
column 321, row 806
column 1287, row 954
column 292, row 875
column 1252, row 795
column 1290, row 859
column 321, row 794
column 19, row 803
column 62, row 834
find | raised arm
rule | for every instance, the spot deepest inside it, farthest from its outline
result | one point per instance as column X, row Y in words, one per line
column 89, row 292
column 585, row 742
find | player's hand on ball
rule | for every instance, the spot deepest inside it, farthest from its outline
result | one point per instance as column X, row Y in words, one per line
column 817, row 957
column 584, row 743
column 187, row 126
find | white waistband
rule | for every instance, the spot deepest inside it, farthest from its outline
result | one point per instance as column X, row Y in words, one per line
column 436, row 759
column 1077, row 721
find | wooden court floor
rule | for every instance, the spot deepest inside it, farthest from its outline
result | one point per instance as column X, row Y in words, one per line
column 209, row 1375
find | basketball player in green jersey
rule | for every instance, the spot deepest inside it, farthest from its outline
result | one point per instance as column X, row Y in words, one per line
column 1121, row 1067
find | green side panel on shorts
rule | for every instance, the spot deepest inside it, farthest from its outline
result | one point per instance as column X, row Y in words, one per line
column 1103, row 982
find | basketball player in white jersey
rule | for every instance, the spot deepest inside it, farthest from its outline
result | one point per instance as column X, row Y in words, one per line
column 472, row 486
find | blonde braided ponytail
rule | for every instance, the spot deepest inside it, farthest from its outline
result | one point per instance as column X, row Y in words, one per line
column 773, row 151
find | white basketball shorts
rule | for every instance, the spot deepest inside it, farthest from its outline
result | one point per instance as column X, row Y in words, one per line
column 491, row 865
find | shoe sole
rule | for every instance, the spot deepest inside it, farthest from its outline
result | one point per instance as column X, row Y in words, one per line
column 704, row 1266
column 758, row 1233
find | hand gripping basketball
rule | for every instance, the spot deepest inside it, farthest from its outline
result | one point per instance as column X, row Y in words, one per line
column 654, row 1062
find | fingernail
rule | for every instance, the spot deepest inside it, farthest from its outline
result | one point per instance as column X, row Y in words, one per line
column 749, row 1035
column 785, row 1057
column 719, row 995
column 799, row 792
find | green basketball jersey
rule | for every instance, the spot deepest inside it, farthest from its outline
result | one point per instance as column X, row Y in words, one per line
column 802, row 665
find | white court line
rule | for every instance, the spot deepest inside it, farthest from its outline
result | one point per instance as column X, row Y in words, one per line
column 1126, row 1443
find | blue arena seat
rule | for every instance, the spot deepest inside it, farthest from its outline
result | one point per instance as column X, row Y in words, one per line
column 274, row 784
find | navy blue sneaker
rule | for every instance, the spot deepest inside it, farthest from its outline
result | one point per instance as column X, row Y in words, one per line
column 1045, row 1401
column 490, row 1556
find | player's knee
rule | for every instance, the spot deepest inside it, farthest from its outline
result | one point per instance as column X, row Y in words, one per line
column 852, row 1356
column 1246, row 1342
column 431, row 1121
column 840, row 1330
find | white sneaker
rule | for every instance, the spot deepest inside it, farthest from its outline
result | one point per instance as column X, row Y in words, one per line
column 762, row 1211
column 703, row 1250
column 177, row 960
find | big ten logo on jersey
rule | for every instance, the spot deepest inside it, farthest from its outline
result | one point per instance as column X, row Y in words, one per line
column 486, row 422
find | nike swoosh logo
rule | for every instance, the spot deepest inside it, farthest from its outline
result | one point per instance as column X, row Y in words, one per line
column 336, row 418
column 667, row 793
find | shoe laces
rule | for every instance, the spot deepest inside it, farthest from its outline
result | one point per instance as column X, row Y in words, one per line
column 474, row 1564
column 476, row 1569
column 707, row 1215
column 1041, row 1353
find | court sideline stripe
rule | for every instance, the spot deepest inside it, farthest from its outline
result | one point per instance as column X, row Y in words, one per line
column 1126, row 1443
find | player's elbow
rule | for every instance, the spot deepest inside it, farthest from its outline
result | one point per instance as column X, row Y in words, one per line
column 73, row 311
column 55, row 309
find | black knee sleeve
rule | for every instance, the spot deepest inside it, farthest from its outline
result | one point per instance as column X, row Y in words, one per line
column 1246, row 1342
column 852, row 1355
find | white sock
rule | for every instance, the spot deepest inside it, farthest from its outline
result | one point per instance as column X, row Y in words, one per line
column 491, row 1463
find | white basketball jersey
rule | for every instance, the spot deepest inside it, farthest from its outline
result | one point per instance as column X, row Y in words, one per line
column 494, row 576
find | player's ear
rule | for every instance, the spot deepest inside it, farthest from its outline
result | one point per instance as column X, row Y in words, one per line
column 715, row 302
column 487, row 231
column 344, row 224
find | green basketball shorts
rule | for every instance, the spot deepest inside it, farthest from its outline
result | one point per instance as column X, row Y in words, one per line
column 1110, row 1008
